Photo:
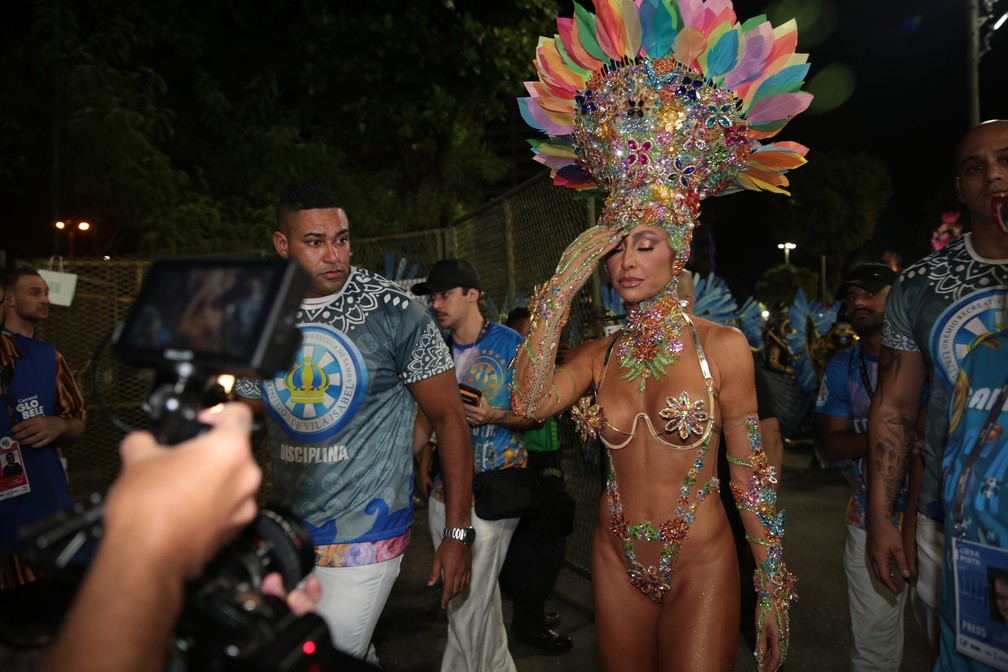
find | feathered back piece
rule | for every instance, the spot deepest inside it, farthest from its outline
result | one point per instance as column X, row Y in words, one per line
column 662, row 103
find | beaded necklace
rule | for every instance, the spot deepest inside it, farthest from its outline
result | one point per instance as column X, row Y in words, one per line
column 655, row 581
column 652, row 339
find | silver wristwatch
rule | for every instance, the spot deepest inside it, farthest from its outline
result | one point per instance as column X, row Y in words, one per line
column 466, row 535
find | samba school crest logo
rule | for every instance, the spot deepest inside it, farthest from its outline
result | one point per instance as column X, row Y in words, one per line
column 488, row 372
column 321, row 393
column 959, row 327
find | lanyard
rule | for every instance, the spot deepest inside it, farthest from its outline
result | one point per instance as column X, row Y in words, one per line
column 865, row 380
column 974, row 453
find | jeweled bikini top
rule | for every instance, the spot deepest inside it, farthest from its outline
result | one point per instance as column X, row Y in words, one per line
column 680, row 415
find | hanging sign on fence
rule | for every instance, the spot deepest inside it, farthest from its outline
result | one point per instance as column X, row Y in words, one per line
column 62, row 285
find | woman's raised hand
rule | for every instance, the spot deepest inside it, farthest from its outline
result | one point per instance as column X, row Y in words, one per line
column 581, row 257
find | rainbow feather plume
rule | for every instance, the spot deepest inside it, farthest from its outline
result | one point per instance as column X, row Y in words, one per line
column 754, row 60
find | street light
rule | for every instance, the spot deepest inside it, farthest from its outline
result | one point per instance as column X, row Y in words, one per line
column 979, row 44
column 71, row 229
column 787, row 247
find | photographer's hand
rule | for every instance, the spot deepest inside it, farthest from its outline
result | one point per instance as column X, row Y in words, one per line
column 169, row 511
column 185, row 502
column 300, row 600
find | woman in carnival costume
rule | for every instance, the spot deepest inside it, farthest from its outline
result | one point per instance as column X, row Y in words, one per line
column 658, row 104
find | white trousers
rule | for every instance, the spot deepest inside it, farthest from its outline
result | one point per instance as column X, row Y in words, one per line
column 876, row 614
column 477, row 640
column 927, row 597
column 352, row 600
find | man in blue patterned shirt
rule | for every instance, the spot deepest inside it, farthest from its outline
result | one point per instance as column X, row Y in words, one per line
column 340, row 422
column 845, row 395
column 483, row 352
column 935, row 312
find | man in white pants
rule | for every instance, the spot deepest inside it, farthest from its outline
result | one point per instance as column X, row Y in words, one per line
column 841, row 428
column 482, row 351
column 340, row 422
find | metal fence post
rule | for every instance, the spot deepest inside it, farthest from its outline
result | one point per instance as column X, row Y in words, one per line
column 509, row 255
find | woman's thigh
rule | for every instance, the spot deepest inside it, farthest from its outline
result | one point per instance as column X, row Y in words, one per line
column 694, row 628
column 626, row 620
column 699, row 624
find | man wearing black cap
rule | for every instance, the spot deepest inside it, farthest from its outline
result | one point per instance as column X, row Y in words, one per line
column 482, row 351
column 841, row 426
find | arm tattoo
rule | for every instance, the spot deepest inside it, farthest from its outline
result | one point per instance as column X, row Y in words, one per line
column 892, row 456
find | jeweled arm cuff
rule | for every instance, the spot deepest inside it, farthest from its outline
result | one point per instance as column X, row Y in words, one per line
column 775, row 585
column 550, row 307
column 534, row 360
column 773, row 581
column 775, row 590
column 759, row 496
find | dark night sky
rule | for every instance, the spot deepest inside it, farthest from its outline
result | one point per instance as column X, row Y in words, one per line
column 908, row 105
column 906, row 62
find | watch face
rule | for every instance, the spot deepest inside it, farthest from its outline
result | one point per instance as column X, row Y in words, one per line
column 466, row 535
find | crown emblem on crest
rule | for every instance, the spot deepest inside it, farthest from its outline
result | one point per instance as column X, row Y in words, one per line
column 307, row 383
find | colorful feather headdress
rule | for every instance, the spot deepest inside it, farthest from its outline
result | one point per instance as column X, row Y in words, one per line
column 660, row 104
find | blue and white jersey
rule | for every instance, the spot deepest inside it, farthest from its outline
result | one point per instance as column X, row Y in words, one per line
column 340, row 420
column 940, row 306
column 842, row 394
column 486, row 365
column 975, row 471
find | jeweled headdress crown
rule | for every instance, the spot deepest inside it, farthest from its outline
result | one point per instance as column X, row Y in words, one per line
column 660, row 104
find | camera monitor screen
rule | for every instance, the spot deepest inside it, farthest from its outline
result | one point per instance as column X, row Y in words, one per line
column 227, row 314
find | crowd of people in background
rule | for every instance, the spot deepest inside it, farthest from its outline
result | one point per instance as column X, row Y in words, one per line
column 872, row 405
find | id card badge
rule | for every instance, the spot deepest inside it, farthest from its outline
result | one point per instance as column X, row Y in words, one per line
column 13, row 477
column 981, row 602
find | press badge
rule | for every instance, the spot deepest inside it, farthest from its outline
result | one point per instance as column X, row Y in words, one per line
column 13, row 478
column 981, row 627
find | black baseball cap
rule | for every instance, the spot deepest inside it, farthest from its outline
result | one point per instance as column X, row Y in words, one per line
column 874, row 277
column 448, row 274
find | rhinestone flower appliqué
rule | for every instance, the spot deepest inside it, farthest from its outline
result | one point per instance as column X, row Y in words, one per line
column 684, row 416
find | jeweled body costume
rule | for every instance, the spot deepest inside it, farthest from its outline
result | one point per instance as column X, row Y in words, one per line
column 686, row 419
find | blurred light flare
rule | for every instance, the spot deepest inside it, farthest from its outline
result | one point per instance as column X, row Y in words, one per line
column 832, row 87
column 816, row 19
column 912, row 24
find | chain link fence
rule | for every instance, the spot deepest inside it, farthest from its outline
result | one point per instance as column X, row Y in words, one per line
column 514, row 242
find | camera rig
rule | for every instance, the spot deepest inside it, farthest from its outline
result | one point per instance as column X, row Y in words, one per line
column 193, row 320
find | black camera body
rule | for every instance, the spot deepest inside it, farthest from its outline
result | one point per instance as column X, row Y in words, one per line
column 196, row 318
column 193, row 320
column 228, row 624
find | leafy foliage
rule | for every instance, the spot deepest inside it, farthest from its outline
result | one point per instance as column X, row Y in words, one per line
column 780, row 284
column 174, row 126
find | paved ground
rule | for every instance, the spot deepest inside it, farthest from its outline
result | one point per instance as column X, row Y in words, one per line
column 411, row 633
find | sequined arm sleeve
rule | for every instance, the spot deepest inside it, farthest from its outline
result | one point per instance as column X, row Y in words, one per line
column 550, row 308
column 753, row 483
